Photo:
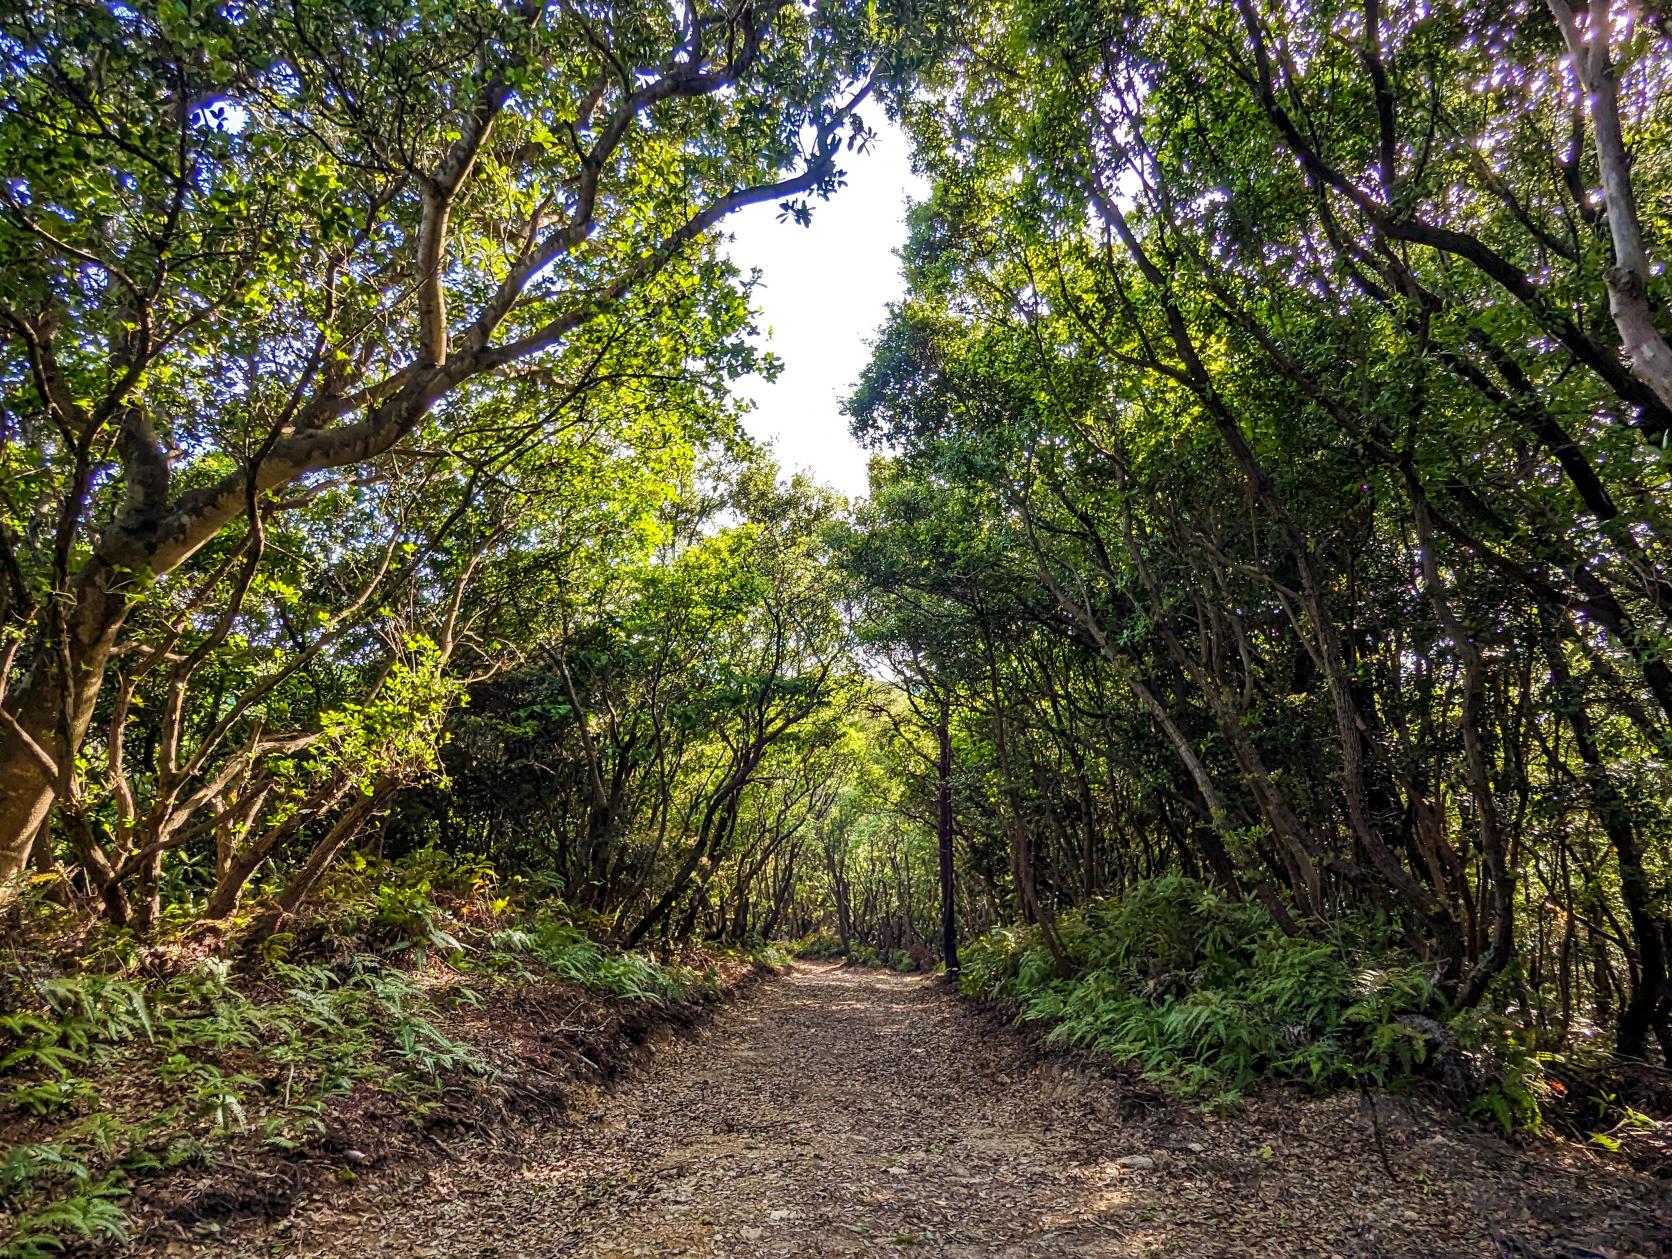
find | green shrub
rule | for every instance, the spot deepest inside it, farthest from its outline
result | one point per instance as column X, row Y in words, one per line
column 1206, row 995
column 818, row 946
column 773, row 955
column 210, row 1049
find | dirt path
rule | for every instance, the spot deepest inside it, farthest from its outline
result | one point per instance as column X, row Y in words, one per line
column 846, row 1112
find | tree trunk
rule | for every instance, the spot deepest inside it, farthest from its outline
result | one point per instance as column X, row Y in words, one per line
column 943, row 833
column 319, row 861
column 1646, row 1009
column 27, row 786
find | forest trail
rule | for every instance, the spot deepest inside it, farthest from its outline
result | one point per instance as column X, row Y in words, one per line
column 858, row 1112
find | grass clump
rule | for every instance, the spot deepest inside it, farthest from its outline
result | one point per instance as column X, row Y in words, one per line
column 1207, row 996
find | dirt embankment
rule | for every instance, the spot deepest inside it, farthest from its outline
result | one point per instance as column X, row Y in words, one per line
column 550, row 1049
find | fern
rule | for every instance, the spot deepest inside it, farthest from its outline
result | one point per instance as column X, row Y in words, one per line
column 1205, row 995
column 51, row 1095
column 89, row 1213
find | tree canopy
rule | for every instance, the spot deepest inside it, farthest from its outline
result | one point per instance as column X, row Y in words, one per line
column 1252, row 654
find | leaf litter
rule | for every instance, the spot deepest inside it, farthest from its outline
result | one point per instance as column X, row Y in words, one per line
column 861, row 1112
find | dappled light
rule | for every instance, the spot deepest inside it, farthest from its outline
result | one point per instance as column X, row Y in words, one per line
column 1187, row 772
column 844, row 1111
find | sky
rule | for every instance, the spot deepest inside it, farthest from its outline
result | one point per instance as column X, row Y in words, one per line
column 822, row 299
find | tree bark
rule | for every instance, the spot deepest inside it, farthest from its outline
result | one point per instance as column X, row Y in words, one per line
column 943, row 834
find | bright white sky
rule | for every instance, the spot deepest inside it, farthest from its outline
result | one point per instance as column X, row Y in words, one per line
column 821, row 297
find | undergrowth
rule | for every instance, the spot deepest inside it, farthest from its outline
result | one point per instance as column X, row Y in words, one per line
column 1207, row 996
column 119, row 1061
column 823, row 946
column 818, row 946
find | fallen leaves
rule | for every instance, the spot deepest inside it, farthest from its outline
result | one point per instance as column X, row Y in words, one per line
column 861, row 1113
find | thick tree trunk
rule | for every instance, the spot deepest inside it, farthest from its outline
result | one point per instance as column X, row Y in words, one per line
column 27, row 786
column 1590, row 53
column 238, row 866
column 99, row 595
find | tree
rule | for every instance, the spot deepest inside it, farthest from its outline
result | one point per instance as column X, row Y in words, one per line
column 245, row 250
column 1296, row 392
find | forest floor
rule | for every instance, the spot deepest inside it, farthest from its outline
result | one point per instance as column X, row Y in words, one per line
column 855, row 1112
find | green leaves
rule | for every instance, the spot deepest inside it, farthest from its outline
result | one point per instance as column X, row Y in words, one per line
column 396, row 735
